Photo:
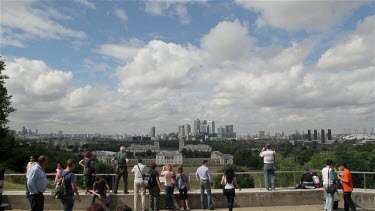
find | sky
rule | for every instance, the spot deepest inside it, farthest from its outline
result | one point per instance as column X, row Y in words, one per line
column 122, row 67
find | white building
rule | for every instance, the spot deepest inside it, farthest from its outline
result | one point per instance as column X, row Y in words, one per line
column 141, row 148
column 171, row 157
column 104, row 156
column 225, row 159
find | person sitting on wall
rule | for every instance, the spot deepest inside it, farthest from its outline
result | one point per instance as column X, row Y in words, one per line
column 306, row 181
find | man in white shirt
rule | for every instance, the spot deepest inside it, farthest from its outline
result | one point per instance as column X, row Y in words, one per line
column 139, row 186
column 268, row 156
column 37, row 184
column 30, row 164
column 204, row 177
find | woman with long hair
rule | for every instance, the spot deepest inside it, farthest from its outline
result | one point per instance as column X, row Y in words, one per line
column 169, row 174
column 88, row 169
column 183, row 187
column 229, row 182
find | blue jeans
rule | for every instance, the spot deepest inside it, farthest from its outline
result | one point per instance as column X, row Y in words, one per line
column 105, row 195
column 205, row 185
column 269, row 173
column 169, row 196
column 68, row 202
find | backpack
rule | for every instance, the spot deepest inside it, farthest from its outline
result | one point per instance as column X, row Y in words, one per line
column 59, row 191
column 151, row 179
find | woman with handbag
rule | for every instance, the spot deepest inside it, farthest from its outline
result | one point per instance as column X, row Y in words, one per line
column 229, row 182
column 170, row 182
column 329, row 184
column 183, row 187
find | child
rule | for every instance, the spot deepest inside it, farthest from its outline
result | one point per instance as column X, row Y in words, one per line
column 183, row 186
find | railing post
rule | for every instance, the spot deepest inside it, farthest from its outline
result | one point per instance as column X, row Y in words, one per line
column 294, row 178
column 113, row 182
column 364, row 181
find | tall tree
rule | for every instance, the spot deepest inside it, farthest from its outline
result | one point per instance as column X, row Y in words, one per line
column 6, row 139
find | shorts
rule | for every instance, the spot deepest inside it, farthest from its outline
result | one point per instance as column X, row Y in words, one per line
column 183, row 193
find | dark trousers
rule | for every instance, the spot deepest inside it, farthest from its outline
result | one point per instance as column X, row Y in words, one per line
column 154, row 198
column 105, row 195
column 37, row 202
column 122, row 171
column 348, row 202
column 68, row 202
column 230, row 193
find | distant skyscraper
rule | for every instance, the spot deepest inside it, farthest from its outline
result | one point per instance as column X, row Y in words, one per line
column 60, row 132
column 187, row 129
column 329, row 134
column 36, row 131
column 315, row 135
column 197, row 126
column 153, row 131
column 30, row 132
column 231, row 131
column 309, row 135
column 262, row 135
column 204, row 129
column 212, row 127
column 181, row 130
column 323, row 136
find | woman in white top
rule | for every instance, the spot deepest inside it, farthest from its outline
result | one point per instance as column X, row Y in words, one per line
column 329, row 179
column 169, row 174
column 229, row 182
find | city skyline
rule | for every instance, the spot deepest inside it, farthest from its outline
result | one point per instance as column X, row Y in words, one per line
column 124, row 67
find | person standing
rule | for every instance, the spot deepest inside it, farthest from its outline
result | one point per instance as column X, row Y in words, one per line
column 347, row 186
column 329, row 179
column 30, row 164
column 154, row 189
column 122, row 169
column 138, row 171
column 229, row 182
column 169, row 174
column 183, row 183
column 70, row 185
column 88, row 169
column 59, row 169
column 268, row 156
column 37, row 184
column 204, row 178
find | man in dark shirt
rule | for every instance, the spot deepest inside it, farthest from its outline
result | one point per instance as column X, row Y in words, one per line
column 100, row 190
column 122, row 169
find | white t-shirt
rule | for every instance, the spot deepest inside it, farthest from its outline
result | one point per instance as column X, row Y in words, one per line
column 228, row 185
column 325, row 176
column 268, row 156
column 138, row 174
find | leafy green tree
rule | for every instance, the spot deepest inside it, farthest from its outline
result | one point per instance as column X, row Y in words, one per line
column 6, row 138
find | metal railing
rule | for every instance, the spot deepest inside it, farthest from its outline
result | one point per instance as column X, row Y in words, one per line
column 255, row 174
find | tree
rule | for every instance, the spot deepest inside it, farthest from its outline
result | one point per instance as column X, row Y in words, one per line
column 6, row 138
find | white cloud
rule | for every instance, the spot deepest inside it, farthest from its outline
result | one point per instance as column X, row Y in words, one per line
column 122, row 52
column 301, row 15
column 227, row 41
column 86, row 3
column 353, row 50
column 172, row 8
column 95, row 66
column 21, row 21
column 121, row 14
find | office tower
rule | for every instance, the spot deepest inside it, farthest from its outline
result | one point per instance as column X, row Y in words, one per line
column 60, row 132
column 197, row 126
column 315, row 135
column 227, row 131
column 309, row 135
column 323, row 136
column 30, row 132
column 231, row 129
column 181, row 130
column 204, row 129
column 211, row 125
column 220, row 132
column 262, row 134
column 329, row 134
column 24, row 131
column 153, row 130
column 187, row 129
column 36, row 131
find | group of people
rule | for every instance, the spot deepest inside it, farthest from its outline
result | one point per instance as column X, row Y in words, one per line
column 37, row 182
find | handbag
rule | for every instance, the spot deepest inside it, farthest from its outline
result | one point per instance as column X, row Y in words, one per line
column 145, row 178
column 275, row 165
column 173, row 179
column 331, row 188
